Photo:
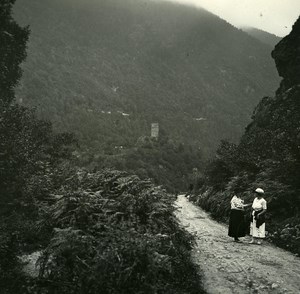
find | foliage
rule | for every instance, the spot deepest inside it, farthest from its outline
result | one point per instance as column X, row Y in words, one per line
column 116, row 234
column 103, row 231
column 16, row 234
column 166, row 162
column 12, row 52
column 268, row 155
column 190, row 71
column 287, row 235
column 222, row 168
column 8, row 256
column 28, row 150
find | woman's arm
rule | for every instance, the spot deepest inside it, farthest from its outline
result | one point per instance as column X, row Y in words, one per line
column 261, row 213
column 246, row 205
column 264, row 208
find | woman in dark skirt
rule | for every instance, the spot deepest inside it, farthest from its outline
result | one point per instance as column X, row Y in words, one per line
column 237, row 225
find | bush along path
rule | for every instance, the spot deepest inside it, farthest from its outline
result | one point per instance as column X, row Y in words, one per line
column 111, row 232
column 230, row 267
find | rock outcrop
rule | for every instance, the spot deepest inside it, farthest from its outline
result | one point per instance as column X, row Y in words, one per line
column 287, row 58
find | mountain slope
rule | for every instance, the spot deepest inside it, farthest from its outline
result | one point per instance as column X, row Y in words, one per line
column 262, row 36
column 107, row 69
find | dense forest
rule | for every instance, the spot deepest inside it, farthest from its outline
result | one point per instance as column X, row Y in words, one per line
column 103, row 231
column 106, row 70
column 267, row 156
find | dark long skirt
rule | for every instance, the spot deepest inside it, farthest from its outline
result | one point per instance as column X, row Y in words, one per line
column 237, row 226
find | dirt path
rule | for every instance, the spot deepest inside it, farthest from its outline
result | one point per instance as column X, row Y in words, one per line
column 230, row 267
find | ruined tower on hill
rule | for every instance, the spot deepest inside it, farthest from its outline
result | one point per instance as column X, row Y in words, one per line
column 154, row 130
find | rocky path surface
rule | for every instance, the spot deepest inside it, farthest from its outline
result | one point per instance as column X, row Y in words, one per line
column 230, row 267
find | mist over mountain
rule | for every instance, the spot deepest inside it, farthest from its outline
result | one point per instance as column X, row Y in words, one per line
column 264, row 37
column 106, row 69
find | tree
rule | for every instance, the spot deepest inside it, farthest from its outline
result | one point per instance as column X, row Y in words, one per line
column 30, row 154
column 28, row 145
column 13, row 40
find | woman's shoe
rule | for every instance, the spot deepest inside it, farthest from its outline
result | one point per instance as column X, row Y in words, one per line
column 252, row 242
column 258, row 243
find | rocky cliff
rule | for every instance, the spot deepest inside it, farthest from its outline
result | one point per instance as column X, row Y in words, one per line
column 287, row 58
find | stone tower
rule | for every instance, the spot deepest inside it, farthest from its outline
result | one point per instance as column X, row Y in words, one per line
column 154, row 130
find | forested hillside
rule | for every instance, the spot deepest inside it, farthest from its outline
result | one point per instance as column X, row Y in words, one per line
column 268, row 155
column 104, row 231
column 106, row 69
column 263, row 36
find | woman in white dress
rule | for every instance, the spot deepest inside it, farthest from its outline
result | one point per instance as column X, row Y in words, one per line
column 258, row 225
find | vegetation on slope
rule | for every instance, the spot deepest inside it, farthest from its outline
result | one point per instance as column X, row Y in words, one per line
column 262, row 36
column 105, row 231
column 114, row 233
column 166, row 162
column 91, row 62
column 268, row 154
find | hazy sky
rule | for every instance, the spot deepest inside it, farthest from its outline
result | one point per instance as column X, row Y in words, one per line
column 274, row 16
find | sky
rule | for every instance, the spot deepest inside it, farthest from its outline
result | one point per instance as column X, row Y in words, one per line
column 273, row 16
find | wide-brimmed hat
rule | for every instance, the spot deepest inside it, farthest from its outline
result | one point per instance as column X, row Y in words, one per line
column 259, row 191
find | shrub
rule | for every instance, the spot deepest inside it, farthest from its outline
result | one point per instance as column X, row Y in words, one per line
column 116, row 234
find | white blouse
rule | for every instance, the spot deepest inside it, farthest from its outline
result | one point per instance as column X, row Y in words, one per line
column 259, row 204
column 237, row 203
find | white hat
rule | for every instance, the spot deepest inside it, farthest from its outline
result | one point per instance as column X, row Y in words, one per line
column 259, row 191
